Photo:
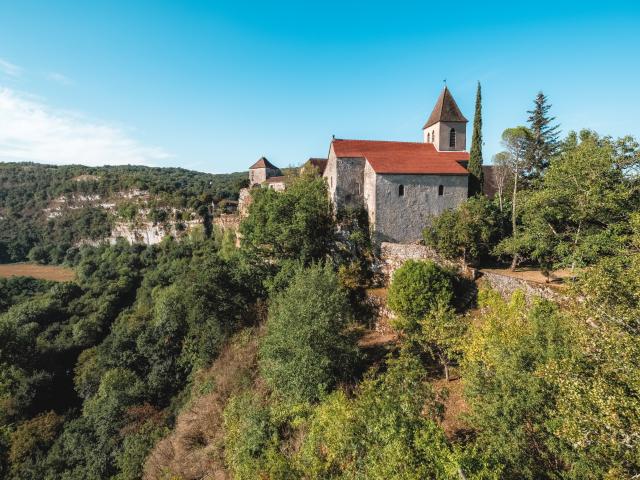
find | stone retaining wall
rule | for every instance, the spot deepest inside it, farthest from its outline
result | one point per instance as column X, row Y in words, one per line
column 393, row 256
column 506, row 286
column 380, row 312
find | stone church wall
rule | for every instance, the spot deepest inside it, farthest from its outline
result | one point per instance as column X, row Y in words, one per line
column 401, row 219
column 345, row 177
column 259, row 175
column 441, row 132
column 369, row 194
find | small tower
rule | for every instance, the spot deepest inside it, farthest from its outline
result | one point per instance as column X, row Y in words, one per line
column 261, row 170
column 446, row 127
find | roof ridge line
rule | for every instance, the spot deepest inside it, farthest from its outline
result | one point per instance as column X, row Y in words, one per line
column 381, row 141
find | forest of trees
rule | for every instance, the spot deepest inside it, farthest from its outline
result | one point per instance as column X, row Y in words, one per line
column 199, row 359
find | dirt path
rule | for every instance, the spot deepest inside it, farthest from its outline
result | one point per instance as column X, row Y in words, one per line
column 454, row 406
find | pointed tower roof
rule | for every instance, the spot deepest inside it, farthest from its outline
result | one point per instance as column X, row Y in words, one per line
column 446, row 110
column 262, row 163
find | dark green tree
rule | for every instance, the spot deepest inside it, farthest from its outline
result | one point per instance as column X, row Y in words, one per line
column 475, row 155
column 306, row 350
column 469, row 232
column 296, row 224
column 544, row 142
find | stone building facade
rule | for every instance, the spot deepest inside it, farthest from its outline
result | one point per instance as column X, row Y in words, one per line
column 403, row 185
column 263, row 170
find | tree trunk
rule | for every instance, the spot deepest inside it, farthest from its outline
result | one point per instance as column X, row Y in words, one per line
column 446, row 370
column 514, row 262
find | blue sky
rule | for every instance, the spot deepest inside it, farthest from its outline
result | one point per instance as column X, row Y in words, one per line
column 212, row 86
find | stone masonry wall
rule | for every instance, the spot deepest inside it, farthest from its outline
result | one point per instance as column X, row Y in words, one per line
column 402, row 218
column 393, row 256
column 506, row 286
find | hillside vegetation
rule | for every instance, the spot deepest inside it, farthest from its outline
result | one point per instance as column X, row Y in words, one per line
column 54, row 208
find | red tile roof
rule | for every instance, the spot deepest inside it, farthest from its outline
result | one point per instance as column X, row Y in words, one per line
column 403, row 157
column 319, row 163
column 446, row 110
column 263, row 163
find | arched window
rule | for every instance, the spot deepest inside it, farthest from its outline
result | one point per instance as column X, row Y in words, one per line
column 441, row 190
column 430, row 137
column 401, row 191
column 452, row 138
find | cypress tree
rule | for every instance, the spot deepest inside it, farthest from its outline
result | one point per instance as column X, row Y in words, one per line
column 544, row 142
column 475, row 156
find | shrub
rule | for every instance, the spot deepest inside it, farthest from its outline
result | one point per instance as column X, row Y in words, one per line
column 417, row 287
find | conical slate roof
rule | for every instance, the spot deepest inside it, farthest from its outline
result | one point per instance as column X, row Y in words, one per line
column 262, row 163
column 446, row 110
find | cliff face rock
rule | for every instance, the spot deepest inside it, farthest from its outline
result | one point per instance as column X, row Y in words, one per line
column 150, row 233
column 135, row 215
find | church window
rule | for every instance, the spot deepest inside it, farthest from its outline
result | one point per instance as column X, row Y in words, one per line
column 452, row 138
column 441, row 190
column 401, row 191
column 429, row 137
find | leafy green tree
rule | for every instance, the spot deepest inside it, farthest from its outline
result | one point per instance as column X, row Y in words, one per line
column 543, row 144
column 30, row 442
column 516, row 142
column 469, row 232
column 441, row 333
column 417, row 288
column 251, row 440
column 294, row 224
column 581, row 211
column 597, row 410
column 387, row 431
column 39, row 254
column 512, row 403
column 306, row 350
column 476, row 177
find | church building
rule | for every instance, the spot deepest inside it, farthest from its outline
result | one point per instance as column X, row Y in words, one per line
column 403, row 185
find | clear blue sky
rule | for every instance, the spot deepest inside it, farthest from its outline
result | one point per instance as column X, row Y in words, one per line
column 214, row 85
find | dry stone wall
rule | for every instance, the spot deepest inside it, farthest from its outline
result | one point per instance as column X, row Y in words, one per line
column 394, row 255
column 507, row 285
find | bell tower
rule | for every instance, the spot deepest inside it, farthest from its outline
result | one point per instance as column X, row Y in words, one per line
column 446, row 127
